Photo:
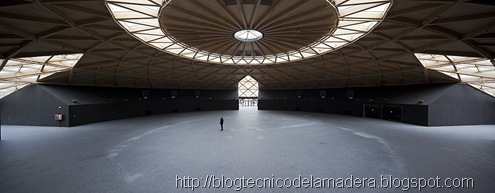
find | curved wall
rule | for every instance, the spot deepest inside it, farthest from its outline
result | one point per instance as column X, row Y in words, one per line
column 441, row 105
column 38, row 104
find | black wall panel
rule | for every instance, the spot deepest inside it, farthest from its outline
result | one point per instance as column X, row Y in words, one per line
column 38, row 104
column 415, row 114
column 462, row 105
column 455, row 104
column 32, row 106
column 428, row 105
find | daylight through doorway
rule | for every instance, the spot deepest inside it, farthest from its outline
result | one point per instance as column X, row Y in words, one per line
column 248, row 91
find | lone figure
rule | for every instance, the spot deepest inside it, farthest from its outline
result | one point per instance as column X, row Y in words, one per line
column 221, row 123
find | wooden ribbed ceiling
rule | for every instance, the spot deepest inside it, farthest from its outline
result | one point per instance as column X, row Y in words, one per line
column 285, row 25
column 114, row 58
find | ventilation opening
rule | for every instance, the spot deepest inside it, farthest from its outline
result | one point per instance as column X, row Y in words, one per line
column 248, row 92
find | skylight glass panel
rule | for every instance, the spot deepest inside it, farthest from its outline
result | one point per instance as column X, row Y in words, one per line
column 283, row 57
column 155, row 31
column 380, row 8
column 188, row 53
column 130, row 25
column 131, row 15
column 471, row 70
column 486, row 68
column 365, row 15
column 469, row 78
column 216, row 60
column 307, row 55
column 271, row 59
column 242, row 61
column 118, row 9
column 259, row 59
column 343, row 31
column 202, row 57
column 321, row 48
column 164, row 41
column 201, row 54
column 6, row 90
column 19, row 72
column 229, row 61
column 147, row 37
column 451, row 74
column 160, row 45
column 153, row 8
column 143, row 2
column 148, row 22
column 248, row 35
column 484, row 63
column 358, row 9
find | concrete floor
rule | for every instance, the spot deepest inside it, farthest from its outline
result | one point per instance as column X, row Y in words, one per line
column 147, row 154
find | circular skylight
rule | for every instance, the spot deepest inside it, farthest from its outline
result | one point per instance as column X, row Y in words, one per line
column 248, row 35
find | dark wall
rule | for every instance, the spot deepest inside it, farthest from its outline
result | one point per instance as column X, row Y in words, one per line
column 32, row 105
column 89, row 113
column 84, row 105
column 447, row 104
column 462, row 105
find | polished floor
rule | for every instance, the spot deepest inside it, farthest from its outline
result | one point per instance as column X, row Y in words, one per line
column 170, row 153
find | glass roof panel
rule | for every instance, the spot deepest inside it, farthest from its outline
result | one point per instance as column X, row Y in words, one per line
column 148, row 22
column 479, row 72
column 216, row 60
column 160, row 45
column 349, row 10
column 118, row 9
column 131, row 15
column 6, row 90
column 229, row 61
column 138, row 8
column 343, row 31
column 248, row 35
column 19, row 72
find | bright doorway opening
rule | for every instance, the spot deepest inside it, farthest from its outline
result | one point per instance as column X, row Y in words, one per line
column 248, row 92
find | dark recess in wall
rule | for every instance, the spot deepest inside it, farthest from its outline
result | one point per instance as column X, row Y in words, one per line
column 38, row 104
column 428, row 105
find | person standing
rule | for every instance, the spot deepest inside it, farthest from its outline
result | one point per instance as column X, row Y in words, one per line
column 221, row 123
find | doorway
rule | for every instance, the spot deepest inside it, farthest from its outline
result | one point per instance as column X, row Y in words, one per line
column 248, row 92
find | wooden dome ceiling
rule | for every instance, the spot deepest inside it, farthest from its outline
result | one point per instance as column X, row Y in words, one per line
column 113, row 57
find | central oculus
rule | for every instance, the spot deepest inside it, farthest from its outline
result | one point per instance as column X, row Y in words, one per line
column 253, row 29
column 248, row 35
